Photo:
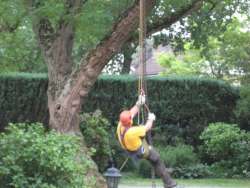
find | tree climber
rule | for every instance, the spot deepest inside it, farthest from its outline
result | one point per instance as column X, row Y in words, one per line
column 132, row 139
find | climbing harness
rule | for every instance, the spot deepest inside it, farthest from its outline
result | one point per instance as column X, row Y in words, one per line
column 141, row 152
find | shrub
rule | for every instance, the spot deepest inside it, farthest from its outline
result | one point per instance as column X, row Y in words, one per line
column 30, row 157
column 183, row 161
column 194, row 171
column 101, row 139
column 144, row 169
column 229, row 147
column 241, row 157
column 95, row 128
column 218, row 139
column 179, row 156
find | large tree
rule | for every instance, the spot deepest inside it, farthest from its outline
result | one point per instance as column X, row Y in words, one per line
column 96, row 30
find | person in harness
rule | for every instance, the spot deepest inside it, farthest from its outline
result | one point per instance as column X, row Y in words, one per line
column 132, row 140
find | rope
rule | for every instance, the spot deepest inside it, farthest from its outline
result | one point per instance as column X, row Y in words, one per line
column 142, row 85
column 142, row 56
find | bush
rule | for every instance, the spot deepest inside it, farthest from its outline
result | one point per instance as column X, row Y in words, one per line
column 243, row 108
column 194, row 171
column 95, row 128
column 183, row 161
column 101, row 139
column 229, row 147
column 144, row 169
column 179, row 156
column 219, row 139
column 29, row 157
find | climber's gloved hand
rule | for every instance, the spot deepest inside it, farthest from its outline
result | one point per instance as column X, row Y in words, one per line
column 151, row 116
column 141, row 100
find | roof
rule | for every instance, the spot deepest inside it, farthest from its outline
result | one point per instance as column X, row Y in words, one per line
column 152, row 67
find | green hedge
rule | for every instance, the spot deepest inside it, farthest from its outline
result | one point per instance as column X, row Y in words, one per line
column 183, row 106
column 23, row 98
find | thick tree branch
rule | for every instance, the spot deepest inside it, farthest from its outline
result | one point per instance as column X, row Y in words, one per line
column 81, row 81
column 121, row 32
column 168, row 21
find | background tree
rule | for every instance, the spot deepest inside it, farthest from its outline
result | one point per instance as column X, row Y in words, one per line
column 187, row 62
column 223, row 57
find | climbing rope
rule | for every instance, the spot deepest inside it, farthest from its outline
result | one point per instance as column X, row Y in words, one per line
column 142, row 84
column 142, row 89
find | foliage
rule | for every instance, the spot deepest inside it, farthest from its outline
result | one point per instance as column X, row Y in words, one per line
column 31, row 157
column 228, row 56
column 19, row 49
column 178, row 156
column 183, row 105
column 218, row 139
column 229, row 147
column 243, row 107
column 194, row 171
column 95, row 129
column 188, row 63
column 182, row 161
column 144, row 169
column 94, row 21
column 20, row 53
column 211, row 20
column 223, row 57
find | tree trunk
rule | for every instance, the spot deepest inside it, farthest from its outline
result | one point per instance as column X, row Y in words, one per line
column 64, row 105
column 128, row 51
column 126, row 65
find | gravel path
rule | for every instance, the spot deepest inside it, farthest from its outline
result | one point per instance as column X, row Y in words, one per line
column 131, row 186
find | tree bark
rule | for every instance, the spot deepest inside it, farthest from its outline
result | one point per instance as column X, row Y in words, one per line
column 127, row 51
column 126, row 65
column 57, row 49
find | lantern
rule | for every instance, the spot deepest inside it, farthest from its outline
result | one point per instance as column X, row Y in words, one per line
column 112, row 176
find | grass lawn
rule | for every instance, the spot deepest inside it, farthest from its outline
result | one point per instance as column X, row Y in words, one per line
column 206, row 183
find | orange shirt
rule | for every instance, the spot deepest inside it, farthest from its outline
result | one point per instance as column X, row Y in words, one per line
column 132, row 138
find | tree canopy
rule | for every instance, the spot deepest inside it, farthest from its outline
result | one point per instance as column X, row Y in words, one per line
column 94, row 20
column 224, row 57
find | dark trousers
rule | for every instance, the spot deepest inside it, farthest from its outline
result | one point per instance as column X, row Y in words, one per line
column 160, row 169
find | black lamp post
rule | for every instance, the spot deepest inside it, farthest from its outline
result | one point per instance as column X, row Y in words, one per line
column 112, row 176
